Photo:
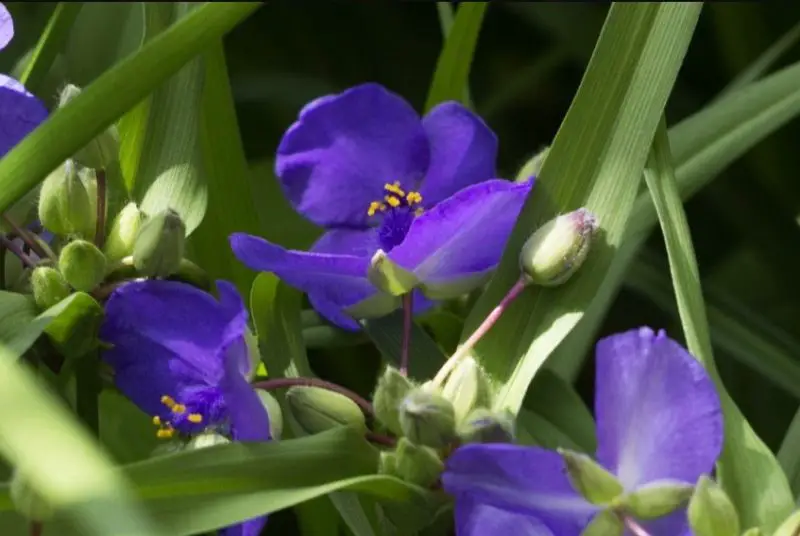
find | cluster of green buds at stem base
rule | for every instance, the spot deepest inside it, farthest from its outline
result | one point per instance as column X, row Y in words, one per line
column 65, row 207
column 48, row 286
column 428, row 419
column 82, row 265
column 392, row 388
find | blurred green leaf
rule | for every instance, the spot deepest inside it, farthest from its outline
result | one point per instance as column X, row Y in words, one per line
column 747, row 470
column 74, row 331
column 49, row 45
column 17, row 311
column 789, row 454
column 317, row 517
column 125, row 430
column 451, row 78
column 231, row 203
column 60, row 461
column 115, row 92
column 596, row 161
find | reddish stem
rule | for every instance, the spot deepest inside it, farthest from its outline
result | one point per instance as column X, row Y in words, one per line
column 26, row 237
column 16, row 250
column 408, row 315
column 381, row 439
column 284, row 383
column 635, row 528
column 37, row 528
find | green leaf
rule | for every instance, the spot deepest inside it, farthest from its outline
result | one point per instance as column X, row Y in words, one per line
column 49, row 44
column 317, row 517
column 231, row 203
column 451, row 78
column 192, row 492
column 747, row 470
column 703, row 145
column 596, row 161
column 17, row 312
column 115, row 92
column 789, row 454
column 60, row 461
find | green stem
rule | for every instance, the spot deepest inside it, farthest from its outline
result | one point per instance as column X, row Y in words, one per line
column 87, row 392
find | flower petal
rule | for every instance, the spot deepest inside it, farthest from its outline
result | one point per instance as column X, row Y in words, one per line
column 332, row 281
column 252, row 527
column 20, row 112
column 674, row 524
column 658, row 414
column 463, row 151
column 6, row 27
column 356, row 242
column 524, row 480
column 476, row 519
column 334, row 161
column 249, row 420
column 463, row 236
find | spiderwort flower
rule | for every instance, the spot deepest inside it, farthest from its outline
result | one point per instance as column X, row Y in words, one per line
column 181, row 356
column 658, row 419
column 363, row 165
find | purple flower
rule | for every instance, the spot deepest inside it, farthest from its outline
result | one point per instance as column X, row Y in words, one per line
column 20, row 111
column 181, row 356
column 363, row 165
column 658, row 418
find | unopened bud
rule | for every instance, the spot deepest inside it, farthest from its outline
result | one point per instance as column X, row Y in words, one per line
column 274, row 412
column 533, row 166
column 605, row 523
column 49, row 286
column 711, row 512
column 557, row 249
column 590, row 479
column 387, row 463
column 122, row 236
column 428, row 419
column 655, row 499
column 486, row 426
column 467, row 387
column 27, row 501
column 103, row 150
column 89, row 179
column 158, row 248
column 82, row 265
column 389, row 394
column 790, row 527
column 316, row 410
column 64, row 205
column 417, row 464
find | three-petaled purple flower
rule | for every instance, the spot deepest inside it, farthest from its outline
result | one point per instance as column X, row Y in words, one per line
column 182, row 357
column 363, row 165
column 20, row 111
column 658, row 419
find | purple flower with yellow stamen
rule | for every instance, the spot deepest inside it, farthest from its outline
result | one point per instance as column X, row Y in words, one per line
column 658, row 422
column 365, row 166
column 182, row 357
column 20, row 111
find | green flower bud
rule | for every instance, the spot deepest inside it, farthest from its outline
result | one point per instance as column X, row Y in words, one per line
column 27, row 500
column 790, row 527
column 316, row 410
column 711, row 512
column 417, row 464
column 49, row 287
column 655, row 499
column 467, row 387
column 387, row 463
column 82, row 265
column 389, row 394
column 122, row 236
column 64, row 204
column 485, row 426
column 558, row 248
column 89, row 180
column 158, row 248
column 533, row 166
column 605, row 523
column 205, row 440
column 103, row 150
column 275, row 413
column 590, row 479
column 428, row 419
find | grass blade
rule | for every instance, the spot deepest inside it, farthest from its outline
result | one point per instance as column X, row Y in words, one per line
column 49, row 44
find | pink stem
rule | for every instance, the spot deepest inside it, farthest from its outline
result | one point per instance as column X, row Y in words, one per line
column 26, row 237
column 408, row 313
column 13, row 248
column 284, row 383
column 381, row 439
column 635, row 528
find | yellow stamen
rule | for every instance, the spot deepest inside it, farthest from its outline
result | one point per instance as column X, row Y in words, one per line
column 394, row 188
column 419, row 211
column 413, row 198
column 195, row 418
column 168, row 401
column 374, row 207
column 156, row 420
column 165, row 433
column 178, row 409
column 393, row 201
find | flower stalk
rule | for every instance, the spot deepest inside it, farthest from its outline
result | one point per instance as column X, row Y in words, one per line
column 408, row 314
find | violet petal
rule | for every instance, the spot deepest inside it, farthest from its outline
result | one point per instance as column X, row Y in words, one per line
column 476, row 519
column 20, row 113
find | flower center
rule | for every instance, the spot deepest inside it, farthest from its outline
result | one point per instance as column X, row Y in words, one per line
column 398, row 208
column 200, row 410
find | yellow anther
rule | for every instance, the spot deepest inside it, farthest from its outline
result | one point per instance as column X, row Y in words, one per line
column 374, row 207
column 178, row 409
column 419, row 211
column 165, row 433
column 156, row 420
column 393, row 201
column 413, row 198
column 168, row 401
column 394, row 188
column 195, row 418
